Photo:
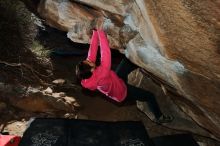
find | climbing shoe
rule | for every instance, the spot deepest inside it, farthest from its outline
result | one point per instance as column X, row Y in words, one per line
column 165, row 119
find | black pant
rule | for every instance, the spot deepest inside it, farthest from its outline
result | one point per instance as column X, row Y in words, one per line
column 135, row 93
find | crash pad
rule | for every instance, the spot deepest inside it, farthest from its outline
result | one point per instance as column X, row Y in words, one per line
column 72, row 132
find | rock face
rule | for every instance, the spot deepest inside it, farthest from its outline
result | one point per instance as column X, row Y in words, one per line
column 176, row 41
column 35, row 99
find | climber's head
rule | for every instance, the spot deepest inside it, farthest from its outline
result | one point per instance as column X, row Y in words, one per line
column 84, row 69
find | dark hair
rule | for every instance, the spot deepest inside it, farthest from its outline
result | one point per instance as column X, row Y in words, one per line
column 83, row 71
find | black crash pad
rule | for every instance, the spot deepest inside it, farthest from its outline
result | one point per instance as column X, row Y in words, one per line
column 70, row 132
column 175, row 140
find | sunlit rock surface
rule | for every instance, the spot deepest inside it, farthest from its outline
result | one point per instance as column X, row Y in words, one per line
column 176, row 40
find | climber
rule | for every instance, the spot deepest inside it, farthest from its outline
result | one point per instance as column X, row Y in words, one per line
column 114, row 85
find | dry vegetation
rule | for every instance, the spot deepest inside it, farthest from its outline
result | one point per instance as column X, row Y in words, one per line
column 23, row 59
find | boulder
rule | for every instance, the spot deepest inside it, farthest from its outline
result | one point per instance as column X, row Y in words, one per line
column 33, row 99
column 175, row 41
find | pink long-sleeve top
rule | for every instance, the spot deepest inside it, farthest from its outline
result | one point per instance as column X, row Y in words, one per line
column 103, row 78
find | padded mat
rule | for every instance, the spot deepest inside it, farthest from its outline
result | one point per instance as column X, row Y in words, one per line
column 71, row 132
column 175, row 140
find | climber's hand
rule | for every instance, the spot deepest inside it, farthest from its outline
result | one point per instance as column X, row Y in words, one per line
column 99, row 23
